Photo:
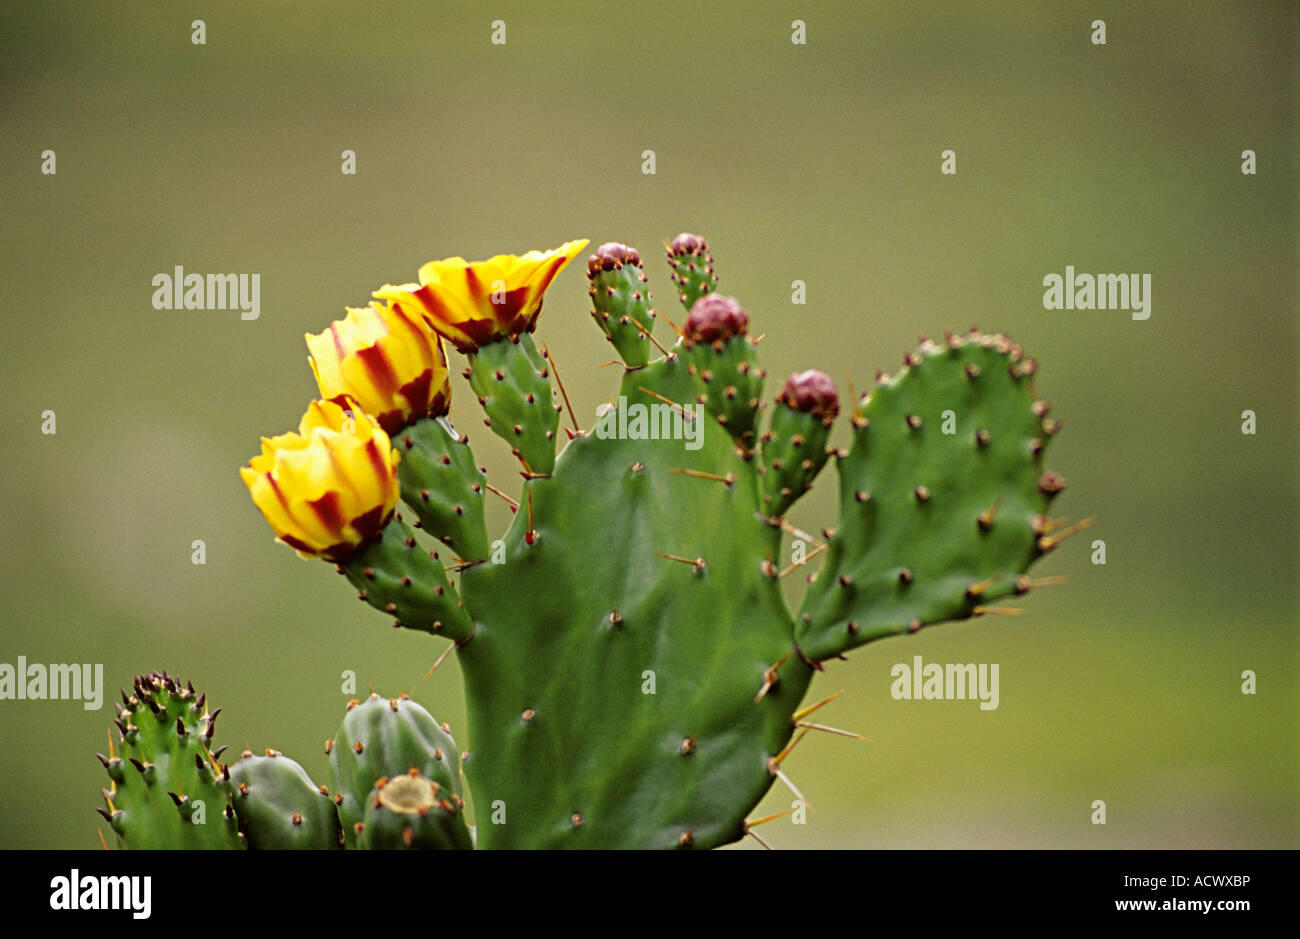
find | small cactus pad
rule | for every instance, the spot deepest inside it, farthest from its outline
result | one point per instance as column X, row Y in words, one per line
column 387, row 737
column 443, row 486
column 512, row 381
column 795, row 446
column 165, row 792
column 942, row 497
column 721, row 355
column 620, row 301
column 692, row 268
column 411, row 812
column 279, row 807
column 393, row 573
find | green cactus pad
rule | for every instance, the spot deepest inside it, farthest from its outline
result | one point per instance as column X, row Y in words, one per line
column 620, row 299
column 279, row 807
column 443, row 486
column 732, row 384
column 165, row 793
column 934, row 525
column 394, row 574
column 387, row 737
column 411, row 812
column 794, row 452
column 512, row 381
column 692, row 268
column 614, row 590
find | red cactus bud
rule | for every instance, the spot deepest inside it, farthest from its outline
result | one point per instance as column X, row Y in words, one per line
column 811, row 392
column 686, row 243
column 611, row 255
column 715, row 318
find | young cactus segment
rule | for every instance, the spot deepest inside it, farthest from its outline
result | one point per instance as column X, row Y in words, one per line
column 794, row 448
column 410, row 812
column 279, row 807
column 443, row 486
column 942, row 497
column 620, row 300
column 387, row 737
column 692, row 265
column 165, row 793
column 394, row 574
column 721, row 356
column 513, row 384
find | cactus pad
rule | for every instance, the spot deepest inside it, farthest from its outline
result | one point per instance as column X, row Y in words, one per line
column 620, row 301
column 942, row 496
column 387, row 737
column 512, row 381
column 165, row 792
column 443, row 486
column 279, row 807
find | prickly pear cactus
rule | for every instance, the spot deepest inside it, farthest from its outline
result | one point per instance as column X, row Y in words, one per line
column 165, row 790
column 633, row 675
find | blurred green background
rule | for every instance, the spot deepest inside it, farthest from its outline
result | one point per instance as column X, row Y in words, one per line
column 817, row 162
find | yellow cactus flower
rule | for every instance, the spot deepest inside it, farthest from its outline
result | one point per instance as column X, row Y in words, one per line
column 387, row 360
column 473, row 304
column 330, row 486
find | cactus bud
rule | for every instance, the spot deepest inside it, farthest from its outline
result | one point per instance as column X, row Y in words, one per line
column 685, row 244
column 611, row 256
column 386, row 359
column 715, row 318
column 811, row 392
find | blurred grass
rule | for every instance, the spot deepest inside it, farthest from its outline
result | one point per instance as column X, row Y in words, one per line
column 818, row 163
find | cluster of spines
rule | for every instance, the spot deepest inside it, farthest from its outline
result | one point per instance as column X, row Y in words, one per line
column 166, row 768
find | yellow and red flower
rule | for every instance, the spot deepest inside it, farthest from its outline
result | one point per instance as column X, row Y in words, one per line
column 473, row 304
column 329, row 487
column 387, row 360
